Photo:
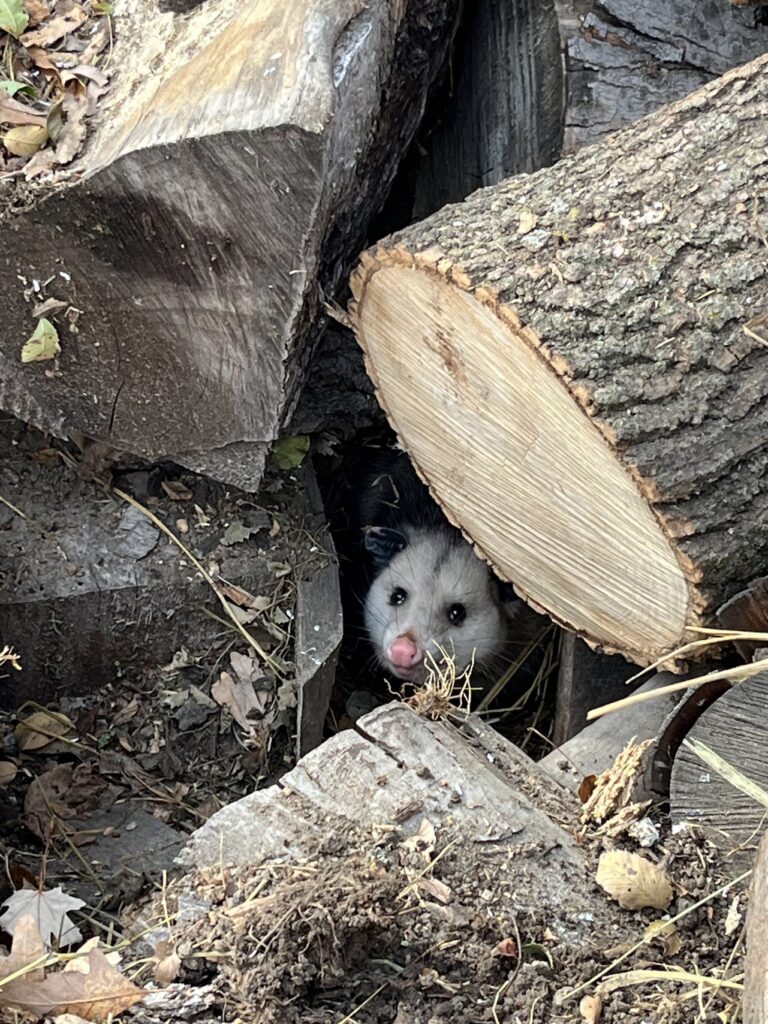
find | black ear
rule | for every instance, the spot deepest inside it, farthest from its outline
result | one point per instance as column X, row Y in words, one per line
column 382, row 544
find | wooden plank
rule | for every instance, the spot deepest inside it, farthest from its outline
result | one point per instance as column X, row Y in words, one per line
column 319, row 629
column 586, row 679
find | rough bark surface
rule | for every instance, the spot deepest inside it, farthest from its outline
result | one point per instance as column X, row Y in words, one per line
column 626, row 58
column 638, row 270
column 505, row 110
column 219, row 198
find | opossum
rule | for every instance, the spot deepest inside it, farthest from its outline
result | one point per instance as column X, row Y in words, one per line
column 428, row 592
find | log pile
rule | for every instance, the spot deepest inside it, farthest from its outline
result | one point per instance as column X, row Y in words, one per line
column 576, row 361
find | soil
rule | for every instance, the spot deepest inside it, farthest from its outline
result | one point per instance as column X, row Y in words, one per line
column 347, row 936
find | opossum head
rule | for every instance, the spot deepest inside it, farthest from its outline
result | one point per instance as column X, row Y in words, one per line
column 431, row 592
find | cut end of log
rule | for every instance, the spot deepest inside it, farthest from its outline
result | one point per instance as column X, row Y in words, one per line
column 514, row 459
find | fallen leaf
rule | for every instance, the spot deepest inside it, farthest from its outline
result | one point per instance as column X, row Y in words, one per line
column 506, row 948
column 176, row 490
column 246, row 666
column 535, row 951
column 587, row 787
column 42, row 728
column 107, row 992
column 732, row 918
column 84, row 71
column 49, row 306
column 236, row 533
column 435, row 888
column 63, row 791
column 37, row 11
column 7, row 772
column 243, row 597
column 49, row 911
column 25, row 140
column 27, row 948
column 528, row 221
column 99, row 40
column 289, row 453
column 43, row 343
column 80, row 962
column 167, row 970
column 55, row 28
column 590, row 1008
column 239, row 699
column 70, row 139
column 10, row 88
column 633, row 881
column 13, row 112
column 13, row 18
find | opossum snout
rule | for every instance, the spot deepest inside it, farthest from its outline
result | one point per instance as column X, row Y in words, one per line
column 404, row 653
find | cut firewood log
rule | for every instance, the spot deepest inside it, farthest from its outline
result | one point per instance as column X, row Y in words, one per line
column 755, row 1004
column 577, row 362
column 234, row 165
column 720, row 775
column 625, row 59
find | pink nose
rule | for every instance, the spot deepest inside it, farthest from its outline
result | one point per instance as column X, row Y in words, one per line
column 404, row 652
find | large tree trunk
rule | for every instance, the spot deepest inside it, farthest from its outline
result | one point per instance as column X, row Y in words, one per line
column 577, row 364
column 235, row 166
column 626, row 58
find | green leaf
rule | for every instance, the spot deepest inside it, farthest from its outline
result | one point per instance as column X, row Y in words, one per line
column 43, row 344
column 10, row 88
column 289, row 453
column 535, row 951
column 13, row 18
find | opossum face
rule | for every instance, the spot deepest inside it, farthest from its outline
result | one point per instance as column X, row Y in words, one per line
column 432, row 592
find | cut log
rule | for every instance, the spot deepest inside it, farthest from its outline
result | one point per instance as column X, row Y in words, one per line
column 732, row 814
column 234, row 166
column 504, row 114
column 577, row 362
column 625, row 59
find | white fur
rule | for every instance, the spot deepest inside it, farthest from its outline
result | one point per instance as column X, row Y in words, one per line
column 436, row 572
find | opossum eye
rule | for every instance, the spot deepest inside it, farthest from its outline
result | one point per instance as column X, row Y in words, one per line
column 398, row 596
column 457, row 613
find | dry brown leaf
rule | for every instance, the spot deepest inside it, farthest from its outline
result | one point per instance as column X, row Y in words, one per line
column 36, row 10
column 42, row 728
column 242, row 597
column 55, row 28
column 506, row 948
column 84, row 71
column 62, row 792
column 13, row 112
column 8, row 772
column 168, row 968
column 590, row 1009
column 246, row 666
column 99, row 40
column 435, row 888
column 43, row 59
column 239, row 698
column 27, row 947
column 633, row 881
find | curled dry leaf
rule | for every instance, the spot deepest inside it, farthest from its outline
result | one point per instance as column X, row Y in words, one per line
column 55, row 28
column 7, row 772
column 36, row 10
column 13, row 112
column 506, row 948
column 633, row 881
column 590, row 1009
column 42, row 728
column 239, row 698
column 167, row 970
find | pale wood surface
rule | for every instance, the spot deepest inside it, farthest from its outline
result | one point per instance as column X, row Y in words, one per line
column 755, row 1003
column 518, row 344
column 233, row 168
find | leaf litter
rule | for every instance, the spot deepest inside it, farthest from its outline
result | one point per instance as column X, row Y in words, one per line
column 51, row 81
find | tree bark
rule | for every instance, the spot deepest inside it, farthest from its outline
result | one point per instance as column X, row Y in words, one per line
column 577, row 361
column 626, row 58
column 239, row 157
column 504, row 110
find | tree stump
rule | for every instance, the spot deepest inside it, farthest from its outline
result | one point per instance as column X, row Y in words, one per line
column 577, row 362
column 234, row 166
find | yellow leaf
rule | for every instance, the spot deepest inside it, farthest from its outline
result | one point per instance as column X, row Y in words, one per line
column 43, row 344
column 633, row 881
column 7, row 772
column 25, row 140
